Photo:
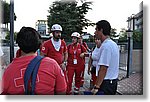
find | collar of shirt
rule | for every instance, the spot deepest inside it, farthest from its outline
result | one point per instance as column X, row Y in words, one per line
column 106, row 40
column 56, row 44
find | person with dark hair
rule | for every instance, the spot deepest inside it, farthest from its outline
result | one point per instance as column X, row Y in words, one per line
column 108, row 63
column 80, row 40
column 49, row 79
column 76, row 53
column 93, row 60
column 55, row 47
column 19, row 52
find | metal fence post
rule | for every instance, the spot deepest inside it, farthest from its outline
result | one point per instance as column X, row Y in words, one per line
column 11, row 30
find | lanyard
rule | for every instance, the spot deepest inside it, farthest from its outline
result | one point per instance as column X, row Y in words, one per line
column 75, row 51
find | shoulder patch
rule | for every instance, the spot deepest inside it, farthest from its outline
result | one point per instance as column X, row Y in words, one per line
column 43, row 48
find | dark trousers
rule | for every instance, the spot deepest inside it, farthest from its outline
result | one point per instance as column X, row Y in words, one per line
column 109, row 87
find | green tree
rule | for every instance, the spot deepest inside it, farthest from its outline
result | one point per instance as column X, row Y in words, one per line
column 6, row 13
column 137, row 36
column 8, row 36
column 113, row 34
column 123, row 35
column 70, row 16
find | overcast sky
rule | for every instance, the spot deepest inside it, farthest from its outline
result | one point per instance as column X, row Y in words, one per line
column 115, row 11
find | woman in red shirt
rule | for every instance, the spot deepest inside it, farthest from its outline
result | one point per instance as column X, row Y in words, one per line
column 76, row 53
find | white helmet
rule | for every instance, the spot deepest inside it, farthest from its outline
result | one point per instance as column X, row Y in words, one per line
column 56, row 27
column 75, row 34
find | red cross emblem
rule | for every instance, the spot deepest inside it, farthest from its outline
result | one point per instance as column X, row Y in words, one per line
column 19, row 82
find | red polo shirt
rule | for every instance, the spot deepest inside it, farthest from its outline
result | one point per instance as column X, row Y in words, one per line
column 18, row 53
column 71, row 55
column 50, row 78
column 49, row 50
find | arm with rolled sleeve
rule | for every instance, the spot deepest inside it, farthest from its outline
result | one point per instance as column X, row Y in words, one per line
column 65, row 51
column 84, row 51
column 44, row 50
column 65, row 57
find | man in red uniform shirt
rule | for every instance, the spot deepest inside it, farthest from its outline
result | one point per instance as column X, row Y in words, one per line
column 83, row 43
column 50, row 78
column 80, row 40
column 55, row 47
column 75, row 59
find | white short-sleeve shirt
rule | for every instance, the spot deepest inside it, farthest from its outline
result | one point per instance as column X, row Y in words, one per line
column 109, row 56
column 56, row 44
column 95, row 56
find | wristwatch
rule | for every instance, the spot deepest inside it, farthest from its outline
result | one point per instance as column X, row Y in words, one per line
column 65, row 63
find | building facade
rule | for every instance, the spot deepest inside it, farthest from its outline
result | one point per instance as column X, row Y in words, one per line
column 41, row 27
column 135, row 21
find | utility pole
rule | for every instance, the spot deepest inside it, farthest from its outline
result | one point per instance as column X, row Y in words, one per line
column 129, row 61
column 11, row 30
column 131, row 27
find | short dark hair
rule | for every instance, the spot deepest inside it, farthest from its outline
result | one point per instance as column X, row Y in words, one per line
column 28, row 39
column 105, row 25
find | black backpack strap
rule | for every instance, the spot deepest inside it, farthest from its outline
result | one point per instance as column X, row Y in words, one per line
column 31, row 72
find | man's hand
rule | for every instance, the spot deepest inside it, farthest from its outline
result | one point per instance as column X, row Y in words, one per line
column 94, row 90
column 63, row 66
column 82, row 55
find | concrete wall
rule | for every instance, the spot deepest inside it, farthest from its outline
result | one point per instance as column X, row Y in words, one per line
column 137, row 60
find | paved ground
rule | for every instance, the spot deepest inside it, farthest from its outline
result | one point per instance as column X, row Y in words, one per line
column 126, row 86
column 132, row 85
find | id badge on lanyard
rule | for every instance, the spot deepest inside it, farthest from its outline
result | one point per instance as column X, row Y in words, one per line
column 74, row 61
column 75, row 55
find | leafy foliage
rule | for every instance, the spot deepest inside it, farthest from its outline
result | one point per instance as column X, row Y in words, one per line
column 70, row 16
column 8, row 36
column 6, row 12
column 137, row 35
column 123, row 35
column 113, row 34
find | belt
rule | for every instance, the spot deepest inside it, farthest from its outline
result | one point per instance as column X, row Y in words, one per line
column 110, row 80
column 93, row 67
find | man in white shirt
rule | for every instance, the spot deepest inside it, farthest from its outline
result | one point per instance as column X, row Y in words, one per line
column 108, row 64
